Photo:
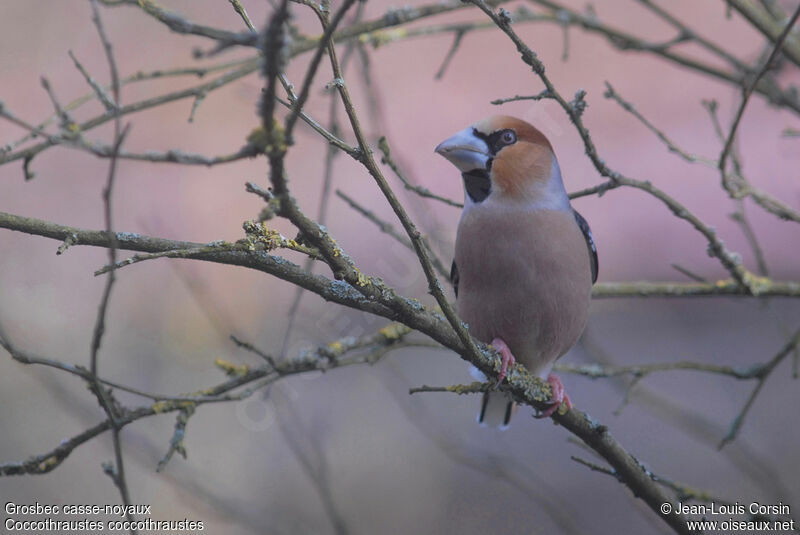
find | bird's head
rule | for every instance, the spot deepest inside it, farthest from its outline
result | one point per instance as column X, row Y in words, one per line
column 506, row 159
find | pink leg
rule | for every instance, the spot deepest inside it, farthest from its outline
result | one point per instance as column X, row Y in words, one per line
column 508, row 358
column 559, row 396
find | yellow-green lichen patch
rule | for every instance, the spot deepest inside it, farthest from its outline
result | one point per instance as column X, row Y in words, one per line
column 471, row 388
column 394, row 331
column 335, row 348
column 259, row 234
column 171, row 404
column 755, row 283
column 362, row 279
column 231, row 369
column 378, row 39
column 160, row 406
column 48, row 464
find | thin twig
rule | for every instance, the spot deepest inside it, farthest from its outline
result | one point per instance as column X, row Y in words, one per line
column 763, row 286
column 66, row 121
column 740, row 216
column 627, row 42
column 102, row 96
column 383, row 145
column 116, row 470
column 459, row 35
column 737, row 186
column 695, row 425
column 347, row 351
column 137, row 77
column 769, row 26
column 330, row 156
column 595, row 371
column 389, row 229
column 689, row 273
column 321, row 130
column 239, row 8
column 247, row 346
column 34, row 130
column 764, row 372
column 472, row 388
column 176, row 442
column 238, row 69
column 314, row 462
column 179, row 24
column 383, row 225
column 174, row 156
column 177, row 253
column 748, row 90
column 594, row 467
column 30, row 152
column 691, row 35
column 627, row 106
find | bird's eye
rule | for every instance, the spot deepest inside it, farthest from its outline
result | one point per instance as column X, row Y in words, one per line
column 507, row 137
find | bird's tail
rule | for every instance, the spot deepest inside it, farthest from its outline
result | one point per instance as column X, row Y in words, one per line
column 497, row 408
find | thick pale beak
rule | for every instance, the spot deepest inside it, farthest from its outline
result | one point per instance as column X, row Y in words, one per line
column 465, row 150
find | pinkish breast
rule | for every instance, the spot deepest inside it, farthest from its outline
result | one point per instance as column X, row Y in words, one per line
column 524, row 276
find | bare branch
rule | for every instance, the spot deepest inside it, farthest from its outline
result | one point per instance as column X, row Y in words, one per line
column 179, row 24
column 239, row 8
column 332, row 355
column 383, row 145
column 763, row 374
column 176, row 442
column 595, row 371
column 459, row 35
column 627, row 106
column 769, row 26
column 693, row 36
column 114, row 470
column 102, row 96
column 764, row 287
column 626, row 41
column 748, row 90
column 472, row 388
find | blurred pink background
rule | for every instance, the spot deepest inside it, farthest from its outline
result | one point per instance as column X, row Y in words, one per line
column 388, row 462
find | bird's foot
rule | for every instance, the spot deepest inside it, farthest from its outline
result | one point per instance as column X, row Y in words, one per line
column 558, row 397
column 507, row 358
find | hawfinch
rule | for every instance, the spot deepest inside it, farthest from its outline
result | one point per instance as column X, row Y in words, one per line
column 525, row 261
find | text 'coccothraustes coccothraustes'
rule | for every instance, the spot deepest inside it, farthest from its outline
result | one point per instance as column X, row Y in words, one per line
column 525, row 261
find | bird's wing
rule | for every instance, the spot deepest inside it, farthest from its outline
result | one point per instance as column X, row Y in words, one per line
column 454, row 277
column 587, row 235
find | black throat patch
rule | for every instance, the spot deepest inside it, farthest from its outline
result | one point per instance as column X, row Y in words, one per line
column 477, row 184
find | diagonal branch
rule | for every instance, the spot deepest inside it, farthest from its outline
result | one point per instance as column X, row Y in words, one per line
column 767, row 25
column 763, row 374
column 626, row 41
column 112, row 409
column 748, row 90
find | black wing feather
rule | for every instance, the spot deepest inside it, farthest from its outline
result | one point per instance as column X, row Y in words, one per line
column 587, row 235
column 454, row 277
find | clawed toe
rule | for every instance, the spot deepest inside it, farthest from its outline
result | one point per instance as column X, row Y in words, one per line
column 558, row 397
column 507, row 356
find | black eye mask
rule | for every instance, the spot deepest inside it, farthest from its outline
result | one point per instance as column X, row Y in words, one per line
column 497, row 139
